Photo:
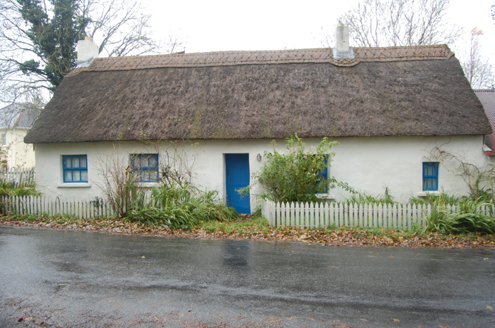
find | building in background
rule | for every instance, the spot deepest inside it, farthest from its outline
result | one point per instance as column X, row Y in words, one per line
column 15, row 121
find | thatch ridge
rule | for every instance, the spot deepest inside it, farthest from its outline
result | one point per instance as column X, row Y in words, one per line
column 228, row 58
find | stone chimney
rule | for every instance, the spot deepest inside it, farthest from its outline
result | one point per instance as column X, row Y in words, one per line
column 86, row 52
column 342, row 49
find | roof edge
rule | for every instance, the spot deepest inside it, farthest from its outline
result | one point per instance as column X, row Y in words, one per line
column 233, row 58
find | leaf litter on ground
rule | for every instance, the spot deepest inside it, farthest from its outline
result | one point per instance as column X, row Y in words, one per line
column 248, row 228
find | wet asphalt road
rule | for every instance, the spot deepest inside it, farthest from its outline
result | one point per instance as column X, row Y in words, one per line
column 77, row 279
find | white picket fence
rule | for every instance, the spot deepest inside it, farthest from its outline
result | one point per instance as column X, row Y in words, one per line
column 310, row 215
column 298, row 215
column 18, row 176
column 54, row 207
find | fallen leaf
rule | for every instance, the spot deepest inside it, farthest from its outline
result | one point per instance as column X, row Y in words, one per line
column 143, row 257
column 396, row 320
column 364, row 319
column 489, row 307
column 486, row 258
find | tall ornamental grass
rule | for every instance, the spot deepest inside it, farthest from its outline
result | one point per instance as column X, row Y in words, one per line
column 177, row 207
column 469, row 218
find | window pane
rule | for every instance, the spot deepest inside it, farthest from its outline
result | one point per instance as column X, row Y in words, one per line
column 68, row 162
column 84, row 175
column 76, row 175
column 153, row 175
column 145, row 176
column 75, row 162
column 83, row 161
column 68, row 175
column 152, row 161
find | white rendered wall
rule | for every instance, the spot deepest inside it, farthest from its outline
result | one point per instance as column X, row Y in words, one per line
column 367, row 164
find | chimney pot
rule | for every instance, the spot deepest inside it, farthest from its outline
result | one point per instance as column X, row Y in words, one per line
column 342, row 49
column 86, row 52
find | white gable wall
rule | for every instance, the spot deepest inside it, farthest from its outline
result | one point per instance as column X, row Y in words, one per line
column 367, row 164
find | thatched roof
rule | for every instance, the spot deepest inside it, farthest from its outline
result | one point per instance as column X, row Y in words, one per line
column 398, row 91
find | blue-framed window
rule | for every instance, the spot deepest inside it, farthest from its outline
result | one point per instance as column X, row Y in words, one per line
column 324, row 175
column 146, row 165
column 75, row 168
column 430, row 176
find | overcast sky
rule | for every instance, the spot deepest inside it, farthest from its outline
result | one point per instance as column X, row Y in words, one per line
column 219, row 25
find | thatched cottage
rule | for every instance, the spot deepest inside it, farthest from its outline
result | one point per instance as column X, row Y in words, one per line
column 386, row 106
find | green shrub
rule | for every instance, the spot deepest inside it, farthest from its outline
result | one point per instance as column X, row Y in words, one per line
column 9, row 189
column 294, row 176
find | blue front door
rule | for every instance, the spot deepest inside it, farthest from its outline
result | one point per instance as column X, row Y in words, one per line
column 237, row 176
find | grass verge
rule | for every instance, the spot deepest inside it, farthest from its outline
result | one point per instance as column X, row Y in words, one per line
column 249, row 228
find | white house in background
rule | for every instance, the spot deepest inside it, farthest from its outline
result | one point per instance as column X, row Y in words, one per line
column 15, row 121
column 388, row 107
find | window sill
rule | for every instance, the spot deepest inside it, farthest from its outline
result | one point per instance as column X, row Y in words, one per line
column 325, row 196
column 74, row 185
column 426, row 193
column 146, row 184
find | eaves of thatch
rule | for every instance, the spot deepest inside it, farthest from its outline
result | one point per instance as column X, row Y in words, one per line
column 397, row 91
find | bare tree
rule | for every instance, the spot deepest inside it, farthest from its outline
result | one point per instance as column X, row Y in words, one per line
column 477, row 69
column 15, row 48
column 378, row 23
column 174, row 43
column 326, row 39
column 119, row 27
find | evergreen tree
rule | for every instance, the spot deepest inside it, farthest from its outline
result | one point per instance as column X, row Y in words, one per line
column 54, row 38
